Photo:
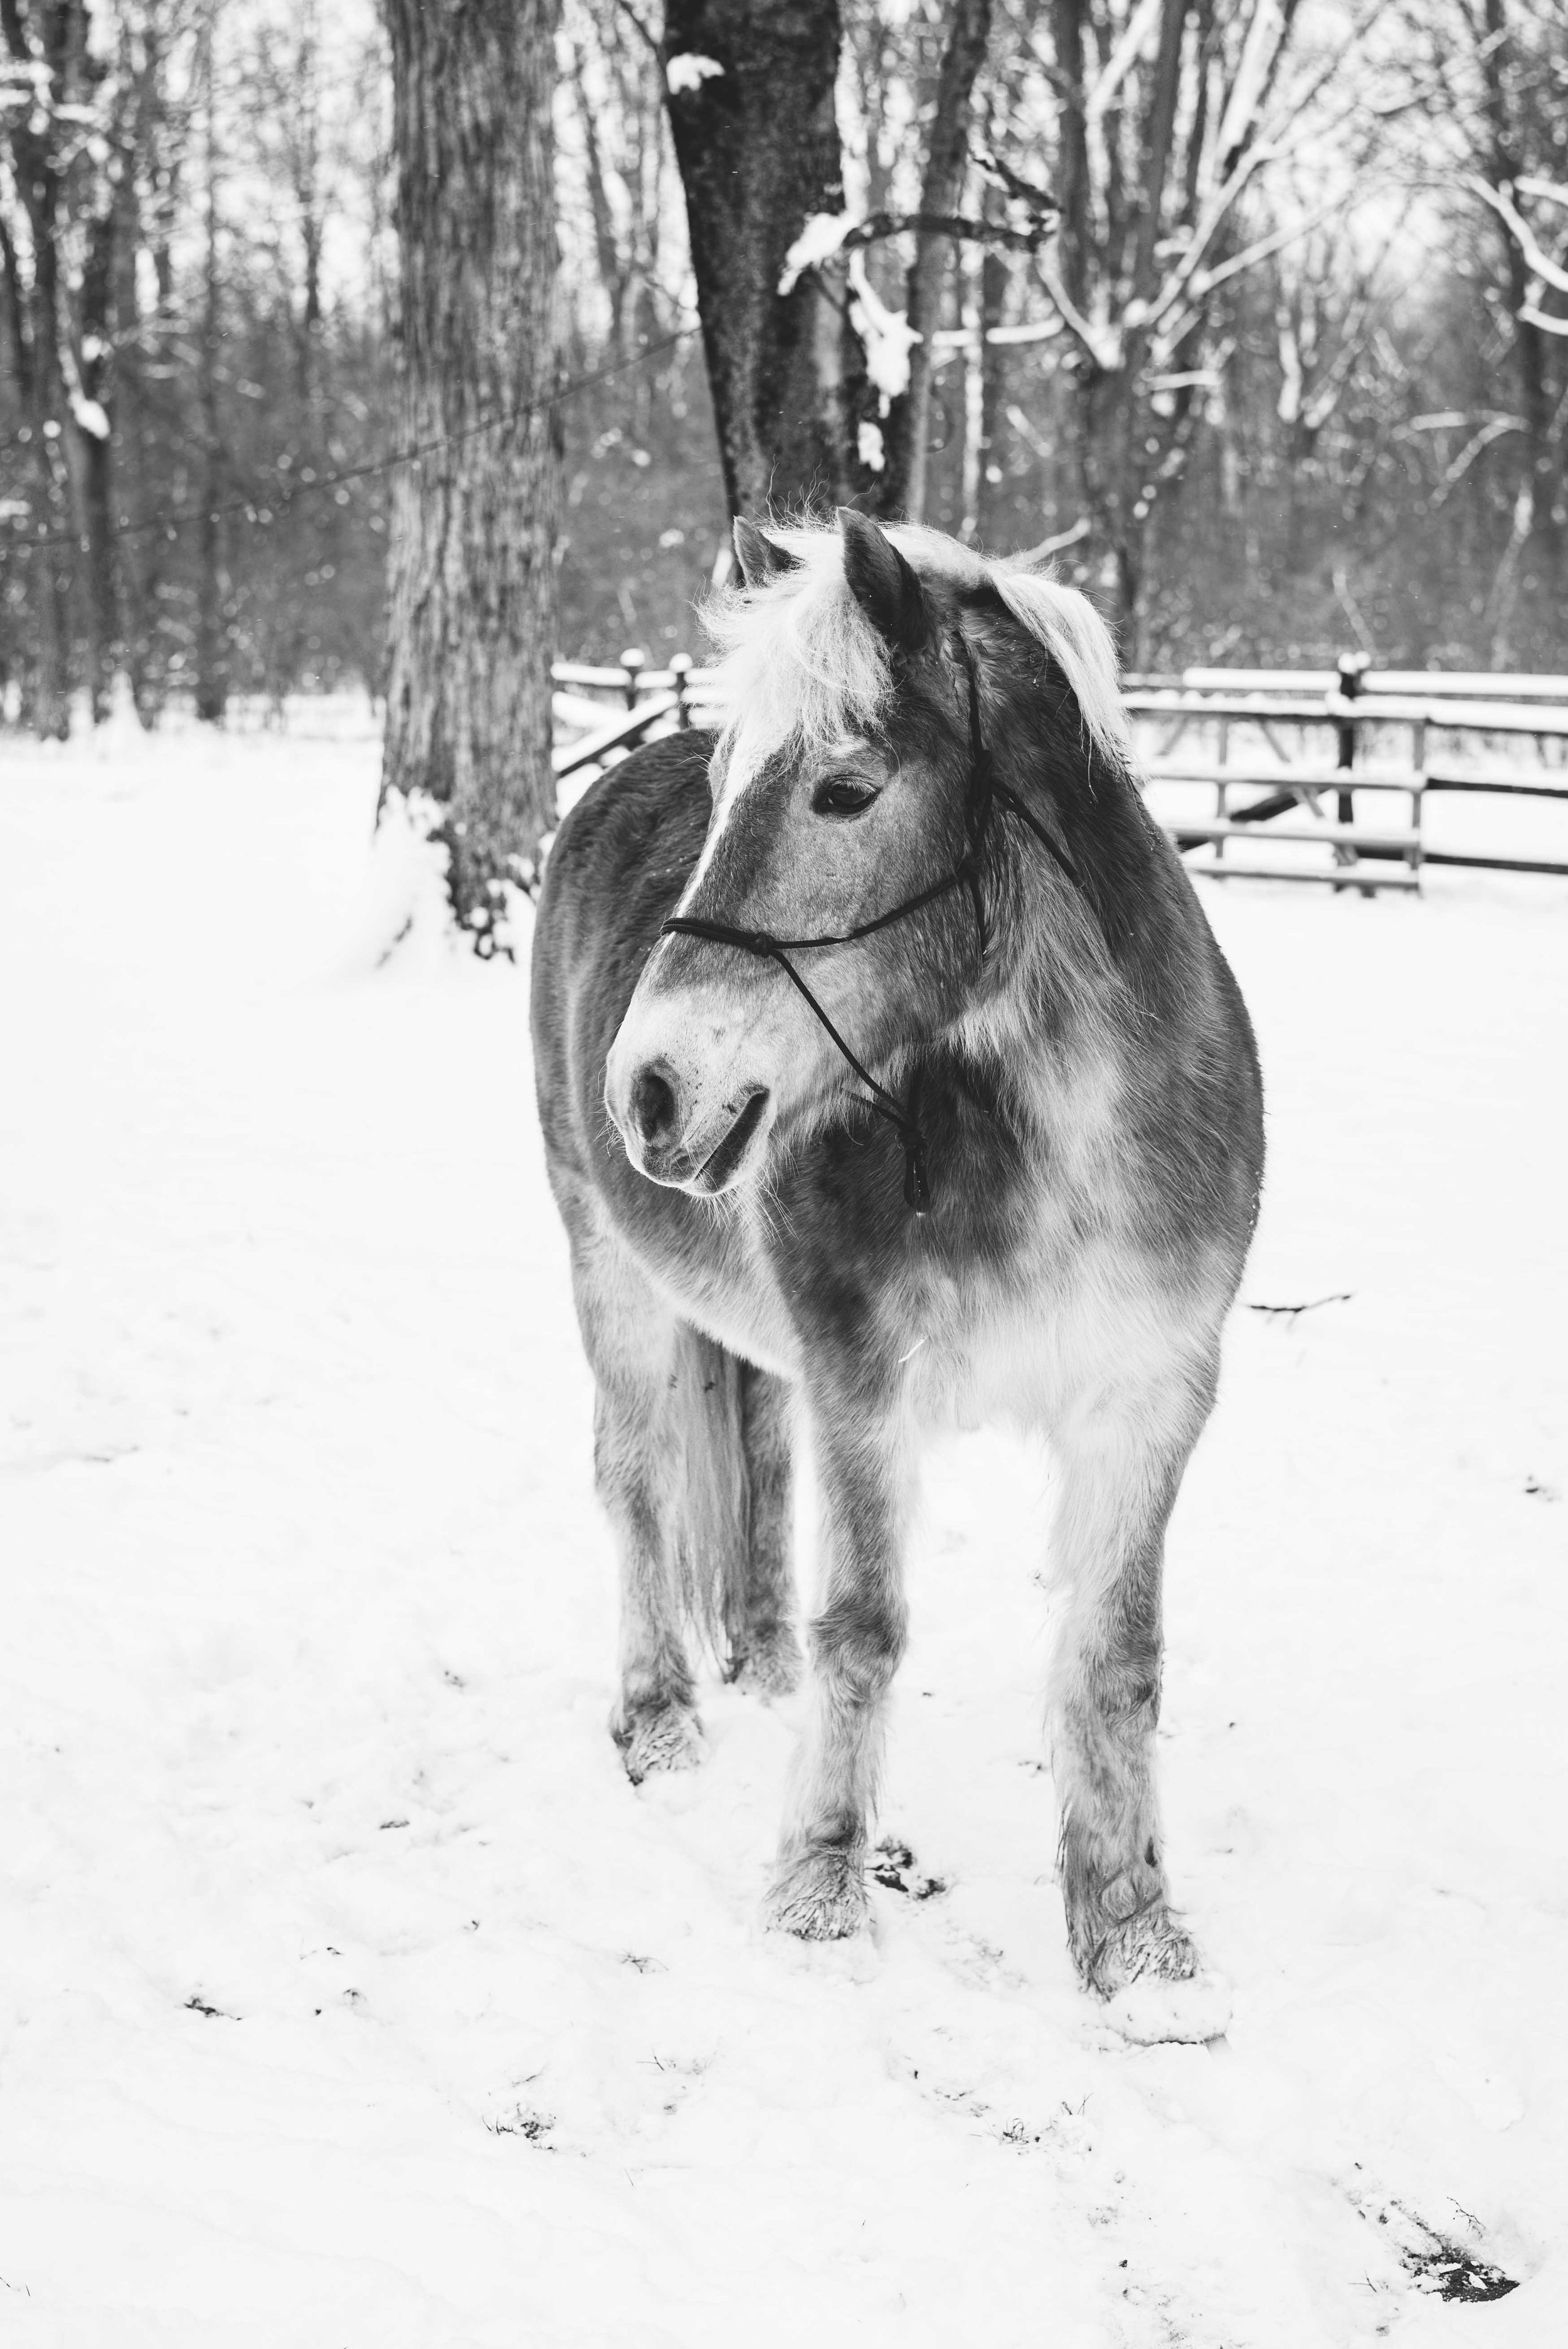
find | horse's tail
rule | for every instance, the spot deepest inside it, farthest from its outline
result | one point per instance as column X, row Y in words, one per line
column 712, row 1501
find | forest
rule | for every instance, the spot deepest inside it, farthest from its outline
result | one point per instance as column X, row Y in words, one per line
column 1252, row 313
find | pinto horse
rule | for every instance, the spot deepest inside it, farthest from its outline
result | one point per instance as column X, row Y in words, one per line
column 891, row 1078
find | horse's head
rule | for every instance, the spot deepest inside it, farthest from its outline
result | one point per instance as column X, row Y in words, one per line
column 842, row 787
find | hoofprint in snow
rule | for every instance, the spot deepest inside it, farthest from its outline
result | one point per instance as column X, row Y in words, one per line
column 349, row 1993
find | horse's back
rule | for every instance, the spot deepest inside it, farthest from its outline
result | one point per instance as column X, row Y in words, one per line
column 618, row 866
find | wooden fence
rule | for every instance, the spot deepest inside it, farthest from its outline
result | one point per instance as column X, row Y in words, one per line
column 1269, row 749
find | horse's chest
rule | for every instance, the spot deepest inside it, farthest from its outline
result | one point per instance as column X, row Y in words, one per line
column 987, row 1342
column 1022, row 1341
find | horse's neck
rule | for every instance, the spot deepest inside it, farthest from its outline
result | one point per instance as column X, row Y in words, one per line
column 1046, row 1031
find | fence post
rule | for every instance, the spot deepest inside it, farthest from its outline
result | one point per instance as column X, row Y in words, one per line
column 631, row 662
column 1352, row 668
column 680, row 669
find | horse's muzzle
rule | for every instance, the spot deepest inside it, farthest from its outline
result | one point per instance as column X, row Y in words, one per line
column 671, row 1140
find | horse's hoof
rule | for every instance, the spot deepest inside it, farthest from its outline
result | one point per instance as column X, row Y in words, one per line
column 1150, row 1972
column 821, row 1897
column 772, row 1669
column 1151, row 2011
column 1149, row 1946
column 669, row 1739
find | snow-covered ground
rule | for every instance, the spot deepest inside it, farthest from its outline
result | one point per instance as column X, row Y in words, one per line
column 348, row 1993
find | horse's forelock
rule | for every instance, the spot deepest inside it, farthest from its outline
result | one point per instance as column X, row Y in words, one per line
column 798, row 656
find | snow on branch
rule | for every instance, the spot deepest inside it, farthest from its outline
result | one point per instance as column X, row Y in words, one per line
column 822, row 237
column 88, row 415
column 1550, row 271
column 1122, row 58
column 887, row 335
column 1103, row 343
column 1263, row 248
column 826, row 234
column 688, row 72
column 877, row 227
column 1189, row 280
column 1494, row 429
column 1260, row 54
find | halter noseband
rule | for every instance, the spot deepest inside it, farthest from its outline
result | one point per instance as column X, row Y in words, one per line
column 983, row 792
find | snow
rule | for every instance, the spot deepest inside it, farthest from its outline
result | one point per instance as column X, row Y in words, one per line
column 1134, row 39
column 1266, row 29
column 689, row 72
column 89, row 416
column 887, row 335
column 309, row 1635
column 818, row 242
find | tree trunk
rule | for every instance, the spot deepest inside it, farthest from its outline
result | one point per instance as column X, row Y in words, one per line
column 1105, row 408
column 757, row 146
column 1534, row 529
column 95, row 456
column 212, row 633
column 46, row 683
column 994, row 281
column 473, row 522
column 613, row 277
column 1071, row 178
column 38, row 302
column 909, row 422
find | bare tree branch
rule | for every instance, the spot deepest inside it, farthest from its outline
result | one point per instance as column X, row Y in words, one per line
column 1519, row 228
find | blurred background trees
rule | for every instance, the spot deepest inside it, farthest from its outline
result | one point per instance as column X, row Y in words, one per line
column 1251, row 311
column 193, row 322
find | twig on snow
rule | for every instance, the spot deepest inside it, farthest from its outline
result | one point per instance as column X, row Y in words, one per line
column 1340, row 1297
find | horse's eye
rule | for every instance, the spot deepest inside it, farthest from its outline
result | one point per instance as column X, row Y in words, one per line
column 841, row 796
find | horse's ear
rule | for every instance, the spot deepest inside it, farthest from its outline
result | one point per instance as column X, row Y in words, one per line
column 882, row 583
column 760, row 557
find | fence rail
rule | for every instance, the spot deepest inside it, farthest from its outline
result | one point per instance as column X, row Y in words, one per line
column 1353, row 702
column 1419, row 684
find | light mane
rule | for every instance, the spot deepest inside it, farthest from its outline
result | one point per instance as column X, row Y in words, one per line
column 797, row 655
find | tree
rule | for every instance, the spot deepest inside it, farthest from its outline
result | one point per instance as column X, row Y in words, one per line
column 92, row 107
column 908, row 435
column 474, row 515
column 821, row 391
column 1162, row 124
column 751, row 85
column 68, row 121
column 1491, row 81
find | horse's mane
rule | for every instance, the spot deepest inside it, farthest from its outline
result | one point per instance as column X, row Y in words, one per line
column 798, row 654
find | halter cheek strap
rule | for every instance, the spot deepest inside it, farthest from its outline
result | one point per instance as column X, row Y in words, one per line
column 984, row 792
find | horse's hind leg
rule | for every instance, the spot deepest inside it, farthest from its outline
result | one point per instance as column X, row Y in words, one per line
column 759, row 1601
column 1122, row 1459
column 638, row 1351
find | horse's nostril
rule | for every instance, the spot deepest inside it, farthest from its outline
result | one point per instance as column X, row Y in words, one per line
column 653, row 1106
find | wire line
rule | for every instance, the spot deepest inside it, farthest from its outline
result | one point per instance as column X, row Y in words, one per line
column 173, row 516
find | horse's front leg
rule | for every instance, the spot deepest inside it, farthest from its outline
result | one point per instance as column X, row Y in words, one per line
column 863, row 1450
column 1121, row 1457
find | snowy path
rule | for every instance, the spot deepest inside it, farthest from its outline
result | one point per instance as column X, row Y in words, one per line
column 348, row 1995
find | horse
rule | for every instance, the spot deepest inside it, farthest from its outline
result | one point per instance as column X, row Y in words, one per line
column 891, row 1078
